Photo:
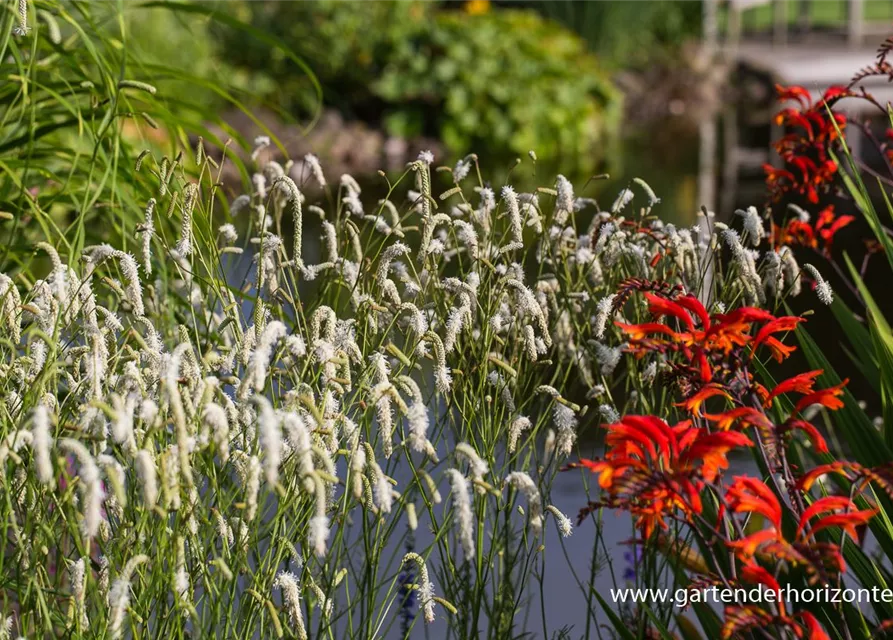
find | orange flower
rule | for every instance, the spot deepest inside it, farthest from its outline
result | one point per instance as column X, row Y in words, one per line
column 746, row 416
column 828, row 398
column 693, row 404
column 756, row 574
column 801, row 383
column 749, row 495
column 818, row 441
column 776, row 325
column 652, row 469
column 846, row 521
column 711, row 449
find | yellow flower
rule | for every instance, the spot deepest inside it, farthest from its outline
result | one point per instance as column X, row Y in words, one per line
column 477, row 7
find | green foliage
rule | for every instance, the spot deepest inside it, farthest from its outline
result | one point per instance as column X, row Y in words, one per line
column 70, row 128
column 507, row 81
column 661, row 26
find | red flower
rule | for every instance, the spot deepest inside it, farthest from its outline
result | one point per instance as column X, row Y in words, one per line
column 828, row 398
column 811, row 128
column 801, row 383
column 652, row 469
column 797, row 232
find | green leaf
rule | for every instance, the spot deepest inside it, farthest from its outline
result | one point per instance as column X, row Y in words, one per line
column 619, row 625
column 882, row 339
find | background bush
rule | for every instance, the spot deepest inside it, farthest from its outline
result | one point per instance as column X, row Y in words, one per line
column 508, row 80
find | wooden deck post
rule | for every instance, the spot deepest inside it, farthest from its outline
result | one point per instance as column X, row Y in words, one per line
column 779, row 23
column 855, row 22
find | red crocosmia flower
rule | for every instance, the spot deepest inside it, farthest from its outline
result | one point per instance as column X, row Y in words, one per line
column 828, row 398
column 740, row 620
column 818, row 441
column 756, row 574
column 810, row 130
column 824, row 505
column 794, row 92
column 658, row 306
column 828, row 225
column 641, row 331
column 779, row 350
column 797, row 232
column 709, row 345
column 776, row 325
column 693, row 404
column 801, row 383
column 747, row 546
column 846, row 521
column 744, row 416
column 816, row 632
column 694, row 305
column 652, row 469
column 711, row 449
column 749, row 495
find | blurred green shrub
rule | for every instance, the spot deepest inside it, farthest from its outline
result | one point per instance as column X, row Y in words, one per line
column 505, row 80
column 500, row 83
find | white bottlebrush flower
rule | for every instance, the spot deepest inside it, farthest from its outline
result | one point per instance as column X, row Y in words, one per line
column 260, row 143
column 649, row 372
column 565, row 421
column 291, row 596
column 319, row 524
column 417, row 418
column 270, row 432
column 753, row 225
column 426, row 589
column 461, row 497
column 147, row 231
column 652, row 197
column 519, row 425
column 77, row 574
column 190, row 197
column 608, row 413
column 181, row 575
column 260, row 358
column 148, row 477
column 42, row 444
column 525, row 484
column 239, row 204
column 790, row 270
column 564, row 523
column 462, row 168
column 515, row 223
column 312, row 162
column 228, row 233
column 443, row 379
column 215, row 418
column 549, row 447
column 604, row 309
column 119, row 596
column 382, row 490
column 20, row 30
column 133, row 288
column 476, row 465
column 608, row 357
column 10, row 302
column 564, row 203
column 623, row 199
column 296, row 202
column 822, row 288
column 92, row 493
column 427, row 157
